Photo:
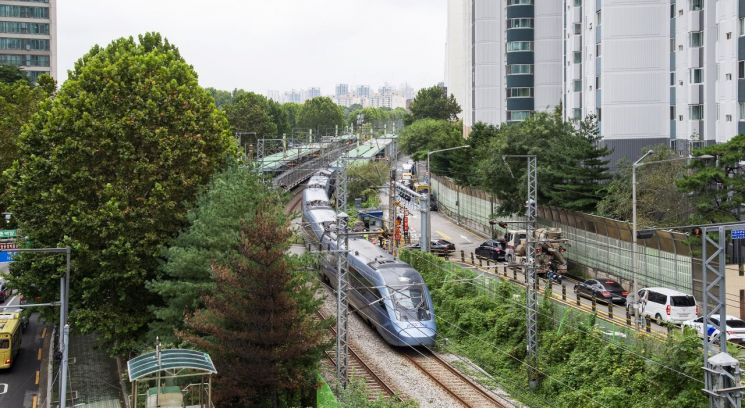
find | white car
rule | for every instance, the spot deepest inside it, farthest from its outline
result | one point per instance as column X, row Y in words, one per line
column 735, row 328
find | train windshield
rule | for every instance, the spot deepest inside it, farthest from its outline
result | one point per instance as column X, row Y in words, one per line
column 410, row 303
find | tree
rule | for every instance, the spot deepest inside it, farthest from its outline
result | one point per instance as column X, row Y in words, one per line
column 221, row 97
column 427, row 135
column 659, row 202
column 260, row 319
column 365, row 180
column 11, row 73
column 19, row 100
column 434, row 103
column 321, row 114
column 717, row 185
column 293, row 115
column 279, row 117
column 250, row 112
column 109, row 168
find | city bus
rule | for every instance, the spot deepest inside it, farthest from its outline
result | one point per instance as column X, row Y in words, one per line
column 10, row 338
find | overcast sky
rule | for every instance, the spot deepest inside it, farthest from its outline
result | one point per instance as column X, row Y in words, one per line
column 274, row 44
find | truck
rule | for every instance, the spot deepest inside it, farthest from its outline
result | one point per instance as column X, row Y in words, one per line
column 550, row 249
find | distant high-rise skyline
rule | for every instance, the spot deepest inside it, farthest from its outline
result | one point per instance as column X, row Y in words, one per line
column 345, row 94
column 29, row 39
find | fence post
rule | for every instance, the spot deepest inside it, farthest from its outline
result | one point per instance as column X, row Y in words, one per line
column 462, row 256
column 550, row 289
column 578, row 302
column 610, row 310
column 563, row 292
column 514, row 273
column 648, row 325
column 594, row 303
column 472, row 261
column 628, row 317
column 504, row 270
column 480, row 264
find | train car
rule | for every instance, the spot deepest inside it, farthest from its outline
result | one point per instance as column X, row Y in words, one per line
column 319, row 221
column 315, row 198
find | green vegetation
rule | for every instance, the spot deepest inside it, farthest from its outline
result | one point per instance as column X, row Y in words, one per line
column 356, row 395
column 250, row 112
column 11, row 73
column 364, row 181
column 434, row 103
column 259, row 322
column 321, row 114
column 579, row 364
column 109, row 167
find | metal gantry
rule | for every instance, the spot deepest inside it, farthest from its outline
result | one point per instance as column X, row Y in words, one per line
column 532, row 287
column 721, row 371
column 342, row 269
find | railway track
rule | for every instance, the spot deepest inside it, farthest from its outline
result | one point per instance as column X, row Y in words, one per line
column 358, row 369
column 458, row 385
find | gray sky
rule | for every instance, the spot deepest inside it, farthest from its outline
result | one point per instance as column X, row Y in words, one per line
column 274, row 44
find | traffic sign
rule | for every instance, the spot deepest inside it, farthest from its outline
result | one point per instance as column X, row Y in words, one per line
column 738, row 234
column 7, row 234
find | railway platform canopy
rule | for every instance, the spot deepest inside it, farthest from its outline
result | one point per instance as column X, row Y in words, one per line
column 172, row 378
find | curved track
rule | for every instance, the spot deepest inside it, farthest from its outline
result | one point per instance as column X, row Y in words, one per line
column 451, row 380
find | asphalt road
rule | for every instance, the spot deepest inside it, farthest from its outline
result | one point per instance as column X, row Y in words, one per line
column 19, row 385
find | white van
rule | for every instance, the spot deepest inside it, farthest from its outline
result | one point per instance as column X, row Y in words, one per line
column 668, row 305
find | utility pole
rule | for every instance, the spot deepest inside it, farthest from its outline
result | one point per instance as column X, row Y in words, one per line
column 342, row 269
column 392, row 206
column 532, row 288
column 721, row 371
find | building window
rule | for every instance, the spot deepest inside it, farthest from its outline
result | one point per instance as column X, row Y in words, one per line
column 577, row 28
column 597, row 82
column 517, row 116
column 696, row 39
column 577, row 57
column 600, row 114
column 697, row 4
column 577, row 85
column 576, row 113
column 728, row 35
column 697, row 75
column 696, row 112
column 519, row 92
column 672, row 113
column 577, row 3
column 672, row 10
column 514, row 46
column 24, row 12
column 741, row 69
column 728, row 118
column 672, row 44
column 519, row 69
column 672, row 79
column 742, row 111
column 519, row 2
column 597, row 49
column 23, row 28
column 741, row 25
column 728, row 76
column 598, row 16
column 520, row 23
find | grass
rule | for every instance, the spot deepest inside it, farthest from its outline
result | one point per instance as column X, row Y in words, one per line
column 326, row 398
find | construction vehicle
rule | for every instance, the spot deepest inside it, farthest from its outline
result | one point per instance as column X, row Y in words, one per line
column 549, row 253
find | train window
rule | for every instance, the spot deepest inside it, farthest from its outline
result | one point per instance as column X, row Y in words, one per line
column 4, row 343
column 410, row 304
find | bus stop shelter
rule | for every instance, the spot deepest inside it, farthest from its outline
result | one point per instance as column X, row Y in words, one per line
column 166, row 379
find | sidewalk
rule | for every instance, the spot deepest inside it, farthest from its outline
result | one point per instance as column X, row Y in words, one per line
column 93, row 374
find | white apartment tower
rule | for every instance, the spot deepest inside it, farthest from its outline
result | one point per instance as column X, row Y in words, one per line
column 652, row 71
column 504, row 58
column 28, row 36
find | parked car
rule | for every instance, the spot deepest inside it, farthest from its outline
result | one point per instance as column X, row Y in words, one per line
column 665, row 305
column 491, row 249
column 3, row 291
column 437, row 246
column 735, row 328
column 604, row 290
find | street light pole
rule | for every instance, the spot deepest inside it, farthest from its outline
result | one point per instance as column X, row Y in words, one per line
column 427, row 237
column 634, row 289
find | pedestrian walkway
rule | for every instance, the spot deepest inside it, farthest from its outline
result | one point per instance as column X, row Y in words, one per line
column 94, row 381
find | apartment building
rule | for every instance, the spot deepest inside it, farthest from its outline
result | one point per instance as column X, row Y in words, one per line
column 652, row 71
column 28, row 36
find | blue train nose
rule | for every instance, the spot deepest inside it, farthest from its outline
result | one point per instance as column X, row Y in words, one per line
column 416, row 333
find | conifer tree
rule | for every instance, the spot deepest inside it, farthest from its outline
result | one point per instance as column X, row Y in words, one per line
column 258, row 324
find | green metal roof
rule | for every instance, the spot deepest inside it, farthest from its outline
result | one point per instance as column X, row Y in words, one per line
column 172, row 359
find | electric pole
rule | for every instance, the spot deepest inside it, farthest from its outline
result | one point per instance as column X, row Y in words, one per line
column 532, row 288
column 342, row 269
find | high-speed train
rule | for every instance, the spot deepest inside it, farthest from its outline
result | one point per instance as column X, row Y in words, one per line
column 386, row 292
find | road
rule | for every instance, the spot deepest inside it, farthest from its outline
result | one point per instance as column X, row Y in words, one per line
column 19, row 386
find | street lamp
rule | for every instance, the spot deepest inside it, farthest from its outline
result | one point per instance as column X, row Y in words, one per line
column 6, row 216
column 429, row 226
column 634, row 231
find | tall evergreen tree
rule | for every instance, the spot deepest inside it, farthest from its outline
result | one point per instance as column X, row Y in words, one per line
column 258, row 324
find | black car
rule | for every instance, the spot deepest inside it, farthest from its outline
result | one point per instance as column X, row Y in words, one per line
column 604, row 290
column 437, row 246
column 491, row 249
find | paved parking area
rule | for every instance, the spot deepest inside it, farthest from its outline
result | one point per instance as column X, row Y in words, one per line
column 93, row 374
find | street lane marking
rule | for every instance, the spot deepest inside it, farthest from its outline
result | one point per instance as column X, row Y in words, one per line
column 44, row 333
column 33, row 401
column 3, row 388
column 38, row 355
column 468, row 241
column 37, row 378
column 444, row 235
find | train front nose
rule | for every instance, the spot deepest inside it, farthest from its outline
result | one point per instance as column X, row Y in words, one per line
column 417, row 336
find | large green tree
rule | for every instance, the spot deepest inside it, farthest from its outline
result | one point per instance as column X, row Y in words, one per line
column 434, row 103
column 659, row 201
column 293, row 115
column 259, row 323
column 717, row 184
column 109, row 168
column 321, row 114
column 279, row 117
column 221, row 97
column 427, row 135
column 250, row 112
column 213, row 236
column 19, row 100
